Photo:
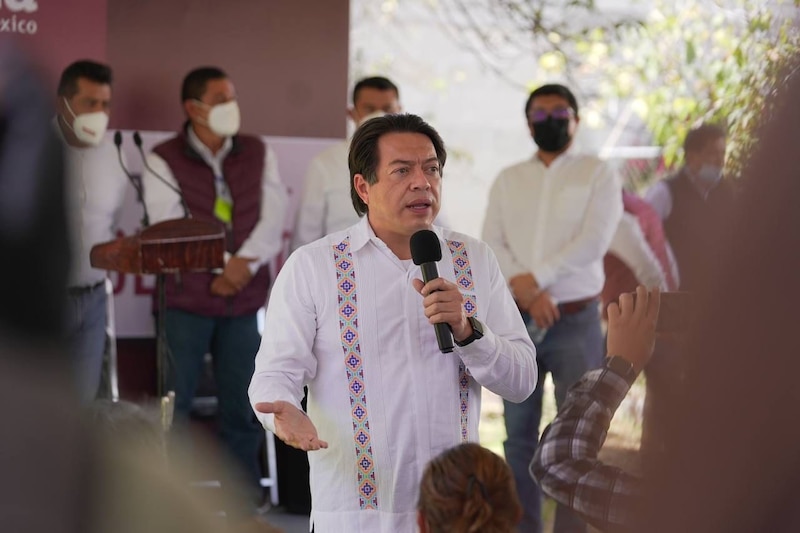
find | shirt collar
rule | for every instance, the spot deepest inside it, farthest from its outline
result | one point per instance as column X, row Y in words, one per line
column 362, row 233
column 210, row 158
column 569, row 153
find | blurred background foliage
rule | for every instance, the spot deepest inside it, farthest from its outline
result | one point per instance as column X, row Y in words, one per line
column 659, row 65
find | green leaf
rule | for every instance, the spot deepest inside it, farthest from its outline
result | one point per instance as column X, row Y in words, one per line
column 691, row 53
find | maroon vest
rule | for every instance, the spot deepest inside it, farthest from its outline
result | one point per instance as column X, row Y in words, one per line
column 619, row 277
column 242, row 169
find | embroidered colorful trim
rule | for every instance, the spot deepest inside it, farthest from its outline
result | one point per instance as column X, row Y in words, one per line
column 348, row 324
column 464, row 280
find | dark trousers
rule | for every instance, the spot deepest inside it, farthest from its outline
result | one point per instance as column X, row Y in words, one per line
column 233, row 343
column 570, row 348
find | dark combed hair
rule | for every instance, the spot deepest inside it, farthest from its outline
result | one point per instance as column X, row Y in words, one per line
column 556, row 89
column 194, row 84
column 375, row 82
column 85, row 68
column 364, row 157
column 469, row 489
column 698, row 138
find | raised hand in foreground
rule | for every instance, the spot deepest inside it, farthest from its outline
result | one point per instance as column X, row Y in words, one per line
column 632, row 326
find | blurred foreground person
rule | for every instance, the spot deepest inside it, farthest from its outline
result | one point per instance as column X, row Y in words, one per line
column 731, row 461
column 34, row 386
column 468, row 489
column 138, row 490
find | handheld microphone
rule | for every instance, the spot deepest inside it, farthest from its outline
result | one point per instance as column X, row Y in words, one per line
column 137, row 140
column 425, row 252
column 137, row 184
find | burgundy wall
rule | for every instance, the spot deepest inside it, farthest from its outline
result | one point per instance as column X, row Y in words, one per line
column 287, row 59
column 61, row 33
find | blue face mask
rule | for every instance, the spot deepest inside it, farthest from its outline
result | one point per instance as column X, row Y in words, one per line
column 709, row 174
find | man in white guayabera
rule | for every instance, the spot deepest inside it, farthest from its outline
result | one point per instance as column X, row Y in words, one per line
column 351, row 320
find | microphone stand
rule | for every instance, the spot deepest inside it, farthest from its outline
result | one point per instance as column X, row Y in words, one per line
column 136, row 183
column 137, row 140
column 163, row 354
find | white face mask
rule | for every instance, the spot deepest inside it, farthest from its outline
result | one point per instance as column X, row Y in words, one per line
column 224, row 119
column 709, row 174
column 89, row 128
column 374, row 114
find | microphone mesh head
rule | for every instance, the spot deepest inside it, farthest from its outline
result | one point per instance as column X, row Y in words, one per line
column 425, row 247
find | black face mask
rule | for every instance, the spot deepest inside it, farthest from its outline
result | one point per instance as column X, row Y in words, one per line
column 551, row 135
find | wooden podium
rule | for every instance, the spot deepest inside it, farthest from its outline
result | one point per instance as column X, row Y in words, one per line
column 172, row 246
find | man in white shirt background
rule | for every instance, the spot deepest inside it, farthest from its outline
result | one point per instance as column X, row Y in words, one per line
column 231, row 179
column 550, row 220
column 351, row 319
column 325, row 205
column 96, row 188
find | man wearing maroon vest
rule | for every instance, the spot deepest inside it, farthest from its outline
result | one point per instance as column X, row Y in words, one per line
column 693, row 201
column 231, row 179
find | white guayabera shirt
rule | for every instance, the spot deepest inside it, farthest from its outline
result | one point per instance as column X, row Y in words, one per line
column 345, row 319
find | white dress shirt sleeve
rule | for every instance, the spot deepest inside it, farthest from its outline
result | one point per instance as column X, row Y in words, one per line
column 673, row 266
column 162, row 202
column 285, row 361
column 504, row 360
column 266, row 239
column 660, row 197
column 631, row 247
column 598, row 226
column 310, row 222
column 494, row 234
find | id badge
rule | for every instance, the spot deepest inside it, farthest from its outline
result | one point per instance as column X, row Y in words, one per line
column 223, row 210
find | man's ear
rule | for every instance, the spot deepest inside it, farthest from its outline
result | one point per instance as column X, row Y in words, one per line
column 362, row 188
column 351, row 113
column 61, row 108
column 190, row 108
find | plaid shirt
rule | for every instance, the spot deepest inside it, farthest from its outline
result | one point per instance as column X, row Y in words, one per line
column 566, row 464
